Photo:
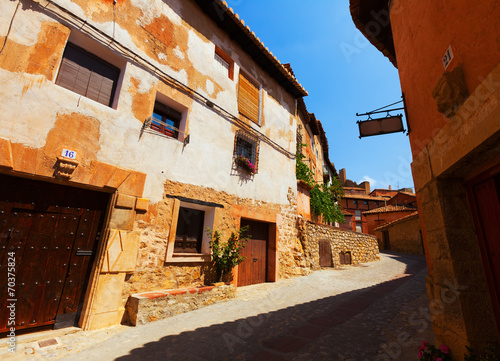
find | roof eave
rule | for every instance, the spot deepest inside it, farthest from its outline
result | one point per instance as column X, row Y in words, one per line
column 230, row 22
column 362, row 12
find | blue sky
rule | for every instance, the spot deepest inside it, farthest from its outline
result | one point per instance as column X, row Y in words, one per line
column 343, row 73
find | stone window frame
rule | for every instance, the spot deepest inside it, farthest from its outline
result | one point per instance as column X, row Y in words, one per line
column 211, row 216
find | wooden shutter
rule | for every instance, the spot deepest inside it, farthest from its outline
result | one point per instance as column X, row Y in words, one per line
column 87, row 75
column 248, row 99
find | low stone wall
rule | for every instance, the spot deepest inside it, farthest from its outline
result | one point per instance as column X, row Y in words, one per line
column 362, row 247
column 147, row 307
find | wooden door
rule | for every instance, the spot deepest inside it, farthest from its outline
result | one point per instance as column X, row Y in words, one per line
column 254, row 269
column 485, row 199
column 325, row 254
column 387, row 242
column 51, row 231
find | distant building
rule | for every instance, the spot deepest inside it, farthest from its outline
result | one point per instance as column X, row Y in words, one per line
column 401, row 235
column 367, row 210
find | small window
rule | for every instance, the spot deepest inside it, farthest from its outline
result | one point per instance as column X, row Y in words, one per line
column 376, row 204
column 224, row 63
column 246, row 146
column 189, row 234
column 166, row 120
column 355, row 202
column 88, row 75
column 358, row 215
column 249, row 99
column 365, row 203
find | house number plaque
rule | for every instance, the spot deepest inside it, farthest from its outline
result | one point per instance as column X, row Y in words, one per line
column 66, row 153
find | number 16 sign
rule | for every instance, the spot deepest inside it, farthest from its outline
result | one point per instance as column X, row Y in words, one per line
column 71, row 154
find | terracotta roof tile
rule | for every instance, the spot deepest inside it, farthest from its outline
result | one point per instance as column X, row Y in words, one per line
column 364, row 196
column 388, row 224
column 388, row 209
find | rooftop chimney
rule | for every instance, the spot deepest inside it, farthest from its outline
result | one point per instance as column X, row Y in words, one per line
column 367, row 187
column 342, row 176
column 390, row 188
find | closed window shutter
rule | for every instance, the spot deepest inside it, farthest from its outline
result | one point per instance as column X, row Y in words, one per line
column 248, row 99
column 87, row 75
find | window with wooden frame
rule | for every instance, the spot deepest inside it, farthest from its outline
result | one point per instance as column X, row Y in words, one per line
column 224, row 63
column 247, row 146
column 166, row 120
column 88, row 75
column 249, row 98
column 189, row 233
column 188, row 242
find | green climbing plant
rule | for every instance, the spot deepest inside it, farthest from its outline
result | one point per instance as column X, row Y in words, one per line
column 324, row 198
column 227, row 255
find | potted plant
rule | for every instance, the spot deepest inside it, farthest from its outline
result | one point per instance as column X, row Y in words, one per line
column 428, row 352
column 226, row 256
column 245, row 163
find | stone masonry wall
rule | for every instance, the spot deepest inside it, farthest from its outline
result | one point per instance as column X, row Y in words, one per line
column 404, row 236
column 153, row 306
column 153, row 273
column 363, row 247
column 291, row 256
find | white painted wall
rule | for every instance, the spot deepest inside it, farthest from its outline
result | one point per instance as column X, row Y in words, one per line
column 31, row 103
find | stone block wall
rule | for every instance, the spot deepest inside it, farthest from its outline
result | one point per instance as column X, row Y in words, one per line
column 154, row 272
column 363, row 247
column 291, row 256
column 153, row 306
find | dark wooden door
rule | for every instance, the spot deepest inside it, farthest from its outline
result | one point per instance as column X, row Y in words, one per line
column 325, row 254
column 51, row 231
column 254, row 269
column 387, row 242
column 486, row 209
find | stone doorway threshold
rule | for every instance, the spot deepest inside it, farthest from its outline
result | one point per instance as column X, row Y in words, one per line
column 55, row 342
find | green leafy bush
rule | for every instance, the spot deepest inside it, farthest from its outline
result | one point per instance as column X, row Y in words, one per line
column 324, row 198
column 227, row 255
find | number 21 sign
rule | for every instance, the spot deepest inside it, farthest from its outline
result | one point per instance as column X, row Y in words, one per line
column 448, row 57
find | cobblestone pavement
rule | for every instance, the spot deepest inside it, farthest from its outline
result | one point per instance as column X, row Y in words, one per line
column 374, row 311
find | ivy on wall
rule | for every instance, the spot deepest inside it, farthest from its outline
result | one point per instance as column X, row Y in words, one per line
column 324, row 198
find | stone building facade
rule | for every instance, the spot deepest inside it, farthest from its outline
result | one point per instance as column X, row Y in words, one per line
column 139, row 121
column 402, row 235
column 448, row 59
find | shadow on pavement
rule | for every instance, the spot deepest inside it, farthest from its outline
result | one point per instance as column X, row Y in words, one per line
column 274, row 335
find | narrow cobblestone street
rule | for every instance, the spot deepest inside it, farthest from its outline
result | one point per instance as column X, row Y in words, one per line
column 375, row 311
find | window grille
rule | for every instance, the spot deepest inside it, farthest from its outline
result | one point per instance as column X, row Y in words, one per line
column 247, row 145
column 299, row 139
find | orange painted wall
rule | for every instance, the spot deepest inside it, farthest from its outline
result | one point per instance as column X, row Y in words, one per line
column 423, row 30
column 375, row 220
